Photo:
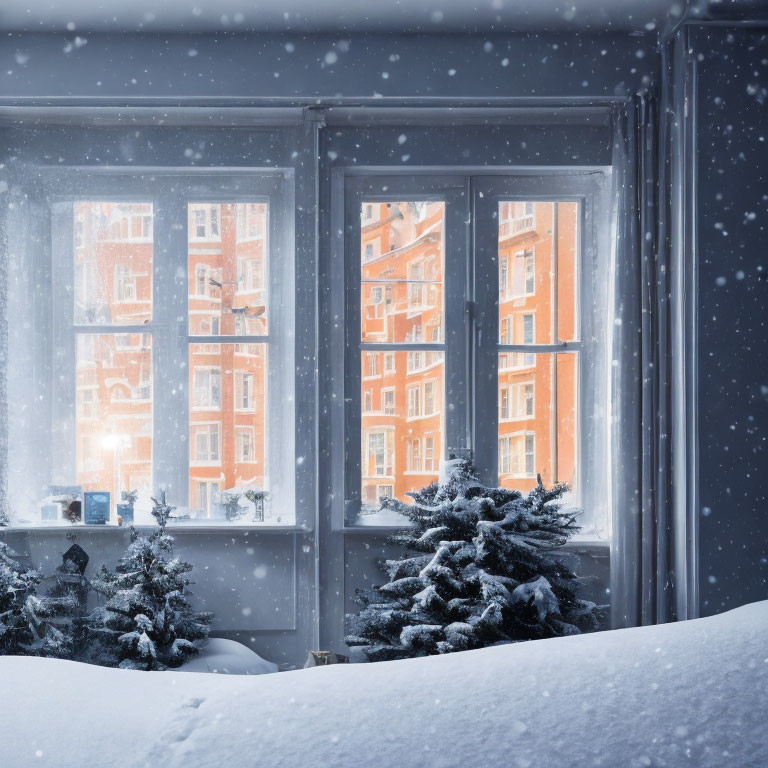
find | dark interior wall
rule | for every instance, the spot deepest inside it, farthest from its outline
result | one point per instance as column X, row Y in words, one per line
column 170, row 67
column 167, row 70
column 731, row 127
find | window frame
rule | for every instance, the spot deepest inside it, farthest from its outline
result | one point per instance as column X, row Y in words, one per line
column 171, row 191
column 475, row 411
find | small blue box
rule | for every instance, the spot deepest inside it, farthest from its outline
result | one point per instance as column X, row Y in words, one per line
column 96, row 504
column 126, row 512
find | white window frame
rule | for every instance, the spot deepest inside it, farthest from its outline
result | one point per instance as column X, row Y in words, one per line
column 209, row 402
column 212, row 458
column 483, row 335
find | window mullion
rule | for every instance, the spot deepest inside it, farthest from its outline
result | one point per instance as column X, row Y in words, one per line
column 170, row 352
column 485, row 412
column 457, row 319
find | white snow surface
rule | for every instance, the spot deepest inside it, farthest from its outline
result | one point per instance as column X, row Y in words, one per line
column 228, row 657
column 688, row 694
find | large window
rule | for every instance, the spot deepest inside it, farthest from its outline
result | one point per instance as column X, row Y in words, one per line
column 478, row 351
column 165, row 350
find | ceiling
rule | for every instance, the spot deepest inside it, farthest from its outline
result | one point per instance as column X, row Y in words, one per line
column 333, row 16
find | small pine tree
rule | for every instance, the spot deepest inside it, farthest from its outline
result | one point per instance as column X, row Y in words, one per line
column 479, row 571
column 31, row 625
column 147, row 621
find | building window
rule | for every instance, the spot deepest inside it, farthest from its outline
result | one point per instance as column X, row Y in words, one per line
column 207, row 388
column 389, row 362
column 125, row 284
column 204, row 222
column 373, row 364
column 429, row 454
column 414, row 402
column 379, row 459
column 524, row 275
column 243, row 391
column 503, row 278
column 413, row 455
column 201, row 280
column 205, row 442
column 517, row 455
column 429, row 398
column 389, row 401
column 205, row 493
column 244, row 445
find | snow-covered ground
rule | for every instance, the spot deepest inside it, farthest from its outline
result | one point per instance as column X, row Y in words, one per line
column 688, row 694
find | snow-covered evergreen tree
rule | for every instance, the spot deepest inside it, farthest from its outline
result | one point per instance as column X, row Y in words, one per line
column 31, row 625
column 479, row 571
column 147, row 621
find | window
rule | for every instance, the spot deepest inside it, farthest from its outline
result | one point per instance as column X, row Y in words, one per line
column 389, row 362
column 429, row 454
column 524, row 274
column 373, row 364
column 204, row 222
column 413, row 455
column 368, row 402
column 250, row 221
column 243, row 391
column 201, row 280
column 379, row 454
column 429, row 398
column 205, row 494
column 205, row 442
column 503, row 277
column 134, row 355
column 207, row 387
column 516, row 370
column 517, row 456
column 414, row 402
column 125, row 284
column 87, row 402
column 244, row 445
column 389, row 401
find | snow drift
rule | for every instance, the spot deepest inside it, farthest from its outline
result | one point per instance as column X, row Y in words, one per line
column 693, row 693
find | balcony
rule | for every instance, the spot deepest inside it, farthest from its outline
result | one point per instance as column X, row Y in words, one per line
column 512, row 227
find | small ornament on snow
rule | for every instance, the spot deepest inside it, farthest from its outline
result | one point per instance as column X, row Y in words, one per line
column 324, row 658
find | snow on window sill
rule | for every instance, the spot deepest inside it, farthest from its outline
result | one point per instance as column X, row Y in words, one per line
column 186, row 526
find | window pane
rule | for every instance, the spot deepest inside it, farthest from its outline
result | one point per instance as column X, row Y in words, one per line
column 402, row 432
column 567, row 269
column 537, row 421
column 227, row 422
column 227, row 263
column 536, row 241
column 113, row 263
column 114, row 416
column 402, row 256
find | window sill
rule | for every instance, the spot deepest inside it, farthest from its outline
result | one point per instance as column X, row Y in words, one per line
column 173, row 528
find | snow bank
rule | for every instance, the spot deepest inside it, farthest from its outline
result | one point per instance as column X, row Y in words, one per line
column 227, row 657
column 694, row 693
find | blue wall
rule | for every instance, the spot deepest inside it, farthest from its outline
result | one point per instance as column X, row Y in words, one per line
column 732, row 135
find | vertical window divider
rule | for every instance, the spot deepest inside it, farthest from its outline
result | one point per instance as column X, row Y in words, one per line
column 170, row 353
